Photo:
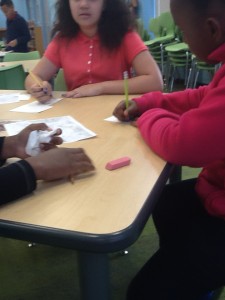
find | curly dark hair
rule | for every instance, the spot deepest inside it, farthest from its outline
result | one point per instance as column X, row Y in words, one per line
column 116, row 20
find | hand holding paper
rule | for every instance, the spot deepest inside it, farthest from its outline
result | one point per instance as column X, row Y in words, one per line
column 36, row 138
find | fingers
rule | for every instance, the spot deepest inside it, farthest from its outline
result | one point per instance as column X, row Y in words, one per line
column 60, row 162
column 41, row 93
column 87, row 90
column 82, row 164
column 126, row 114
column 53, row 143
column 38, row 126
column 82, row 167
column 120, row 111
column 72, row 94
column 79, row 162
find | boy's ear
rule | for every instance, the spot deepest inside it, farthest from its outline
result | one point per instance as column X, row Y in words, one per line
column 215, row 30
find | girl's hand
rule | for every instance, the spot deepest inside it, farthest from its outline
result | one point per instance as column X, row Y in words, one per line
column 88, row 90
column 43, row 93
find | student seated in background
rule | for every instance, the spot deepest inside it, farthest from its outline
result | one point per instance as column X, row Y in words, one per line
column 134, row 7
column 187, row 128
column 17, row 31
column 19, row 178
column 95, row 43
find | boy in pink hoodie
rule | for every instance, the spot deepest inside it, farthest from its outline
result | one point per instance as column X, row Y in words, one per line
column 187, row 128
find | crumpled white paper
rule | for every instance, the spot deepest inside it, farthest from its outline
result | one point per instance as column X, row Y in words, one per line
column 36, row 138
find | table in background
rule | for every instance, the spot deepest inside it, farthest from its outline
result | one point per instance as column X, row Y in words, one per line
column 100, row 213
column 2, row 54
column 28, row 65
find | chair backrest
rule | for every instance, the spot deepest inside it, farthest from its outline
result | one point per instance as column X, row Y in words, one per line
column 12, row 77
column 155, row 27
column 2, row 44
column 15, row 56
column 167, row 23
column 59, row 81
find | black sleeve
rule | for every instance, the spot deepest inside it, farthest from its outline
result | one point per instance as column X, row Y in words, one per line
column 17, row 179
column 2, row 161
column 23, row 31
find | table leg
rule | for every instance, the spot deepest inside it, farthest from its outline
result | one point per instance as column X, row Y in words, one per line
column 94, row 276
column 176, row 174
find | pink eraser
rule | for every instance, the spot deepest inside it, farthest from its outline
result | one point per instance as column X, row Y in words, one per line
column 118, row 163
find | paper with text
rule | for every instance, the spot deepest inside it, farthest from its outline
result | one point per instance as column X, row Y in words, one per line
column 72, row 130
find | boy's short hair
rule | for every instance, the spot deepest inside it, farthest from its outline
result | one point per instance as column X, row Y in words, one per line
column 6, row 2
column 203, row 5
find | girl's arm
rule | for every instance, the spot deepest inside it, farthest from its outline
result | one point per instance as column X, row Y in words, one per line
column 148, row 78
column 43, row 71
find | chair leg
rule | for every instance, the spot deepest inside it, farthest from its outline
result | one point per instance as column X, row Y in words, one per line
column 196, row 78
column 172, row 79
column 162, row 60
column 189, row 79
column 167, row 75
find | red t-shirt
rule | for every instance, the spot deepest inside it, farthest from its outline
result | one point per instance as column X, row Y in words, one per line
column 85, row 61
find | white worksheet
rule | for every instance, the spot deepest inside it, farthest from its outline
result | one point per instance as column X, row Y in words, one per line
column 72, row 130
column 112, row 119
column 13, row 97
column 36, row 106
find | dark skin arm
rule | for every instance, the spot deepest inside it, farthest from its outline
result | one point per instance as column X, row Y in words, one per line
column 126, row 114
column 52, row 164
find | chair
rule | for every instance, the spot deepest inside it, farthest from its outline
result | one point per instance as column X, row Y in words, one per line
column 16, row 56
column 167, row 24
column 59, row 81
column 178, row 57
column 2, row 45
column 163, row 29
column 141, row 31
column 12, row 77
column 203, row 67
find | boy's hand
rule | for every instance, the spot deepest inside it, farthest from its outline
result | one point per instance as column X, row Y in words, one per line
column 126, row 114
column 14, row 146
column 60, row 162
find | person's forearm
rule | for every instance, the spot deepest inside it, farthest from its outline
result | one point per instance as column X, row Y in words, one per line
column 29, row 81
column 17, row 180
column 8, row 147
column 136, row 85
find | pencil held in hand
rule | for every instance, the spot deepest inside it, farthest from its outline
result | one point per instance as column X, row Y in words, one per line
column 125, row 78
column 37, row 80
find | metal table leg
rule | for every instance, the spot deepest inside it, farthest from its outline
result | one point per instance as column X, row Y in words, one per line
column 94, row 276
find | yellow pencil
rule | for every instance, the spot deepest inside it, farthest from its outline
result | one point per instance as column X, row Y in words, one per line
column 125, row 77
column 36, row 79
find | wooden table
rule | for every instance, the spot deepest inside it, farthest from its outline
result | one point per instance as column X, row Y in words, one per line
column 28, row 65
column 98, row 214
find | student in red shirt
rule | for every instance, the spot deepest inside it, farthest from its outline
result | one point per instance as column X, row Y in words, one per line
column 187, row 128
column 95, row 43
